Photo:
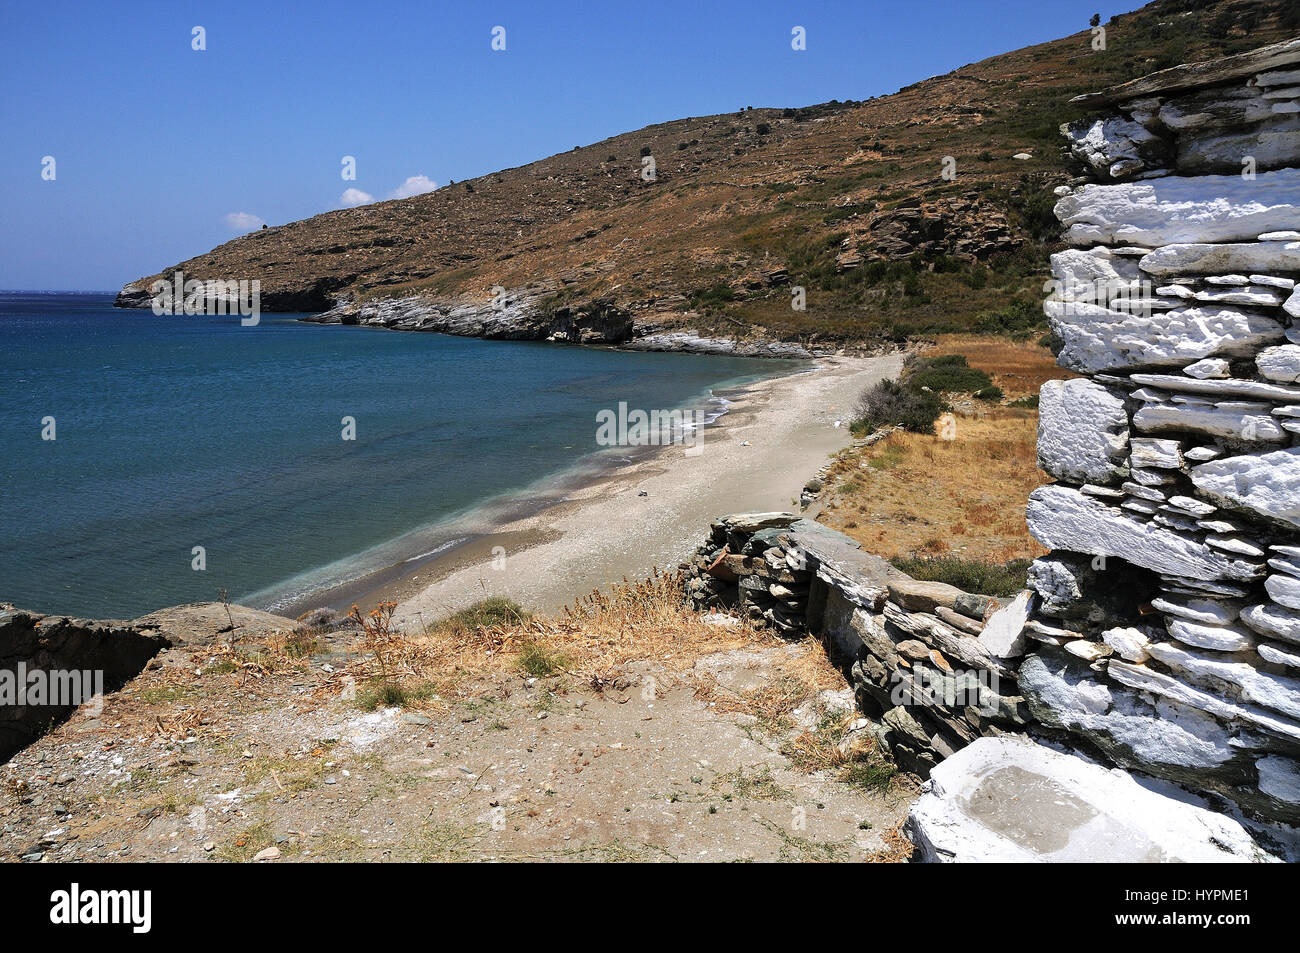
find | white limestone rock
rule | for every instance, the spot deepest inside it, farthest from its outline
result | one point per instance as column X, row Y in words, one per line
column 1281, row 363
column 1252, row 426
column 1130, row 643
column 1002, row 636
column 1060, row 517
column 1087, row 650
column 1284, row 590
column 1288, row 655
column 1211, row 368
column 1113, row 146
column 1178, row 209
column 1264, row 484
column 1250, row 390
column 1151, row 453
column 1279, row 778
column 1207, row 611
column 1197, row 258
column 1095, row 338
column 1009, row 799
column 1215, row 637
column 1273, row 621
column 1280, row 693
column 1082, row 432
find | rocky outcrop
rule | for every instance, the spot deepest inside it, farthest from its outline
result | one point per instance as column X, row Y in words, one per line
column 51, row 665
column 1194, row 675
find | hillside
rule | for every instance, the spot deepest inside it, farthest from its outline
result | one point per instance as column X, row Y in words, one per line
column 845, row 199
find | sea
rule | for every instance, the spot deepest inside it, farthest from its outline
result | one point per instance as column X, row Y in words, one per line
column 149, row 461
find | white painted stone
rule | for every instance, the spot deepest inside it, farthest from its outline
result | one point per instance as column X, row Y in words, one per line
column 1099, row 339
column 1266, row 484
column 1250, row 297
column 1003, row 632
column 1196, row 258
column 1060, row 517
column 1279, row 237
column 1202, row 454
column 1217, row 638
column 1009, row 799
column 1082, row 432
column 1192, row 505
column 1284, row 590
column 1130, row 643
column 1211, row 208
column 1281, row 363
column 1274, row 621
column 1208, row 369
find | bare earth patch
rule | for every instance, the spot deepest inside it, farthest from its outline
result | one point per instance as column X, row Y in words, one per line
column 714, row 743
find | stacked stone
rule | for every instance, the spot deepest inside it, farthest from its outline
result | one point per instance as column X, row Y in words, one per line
column 1167, row 623
column 922, row 655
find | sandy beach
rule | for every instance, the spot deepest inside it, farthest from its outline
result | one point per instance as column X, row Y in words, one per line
column 758, row 456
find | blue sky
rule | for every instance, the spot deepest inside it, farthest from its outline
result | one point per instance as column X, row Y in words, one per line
column 156, row 144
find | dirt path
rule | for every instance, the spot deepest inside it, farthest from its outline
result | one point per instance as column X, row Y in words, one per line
column 196, row 762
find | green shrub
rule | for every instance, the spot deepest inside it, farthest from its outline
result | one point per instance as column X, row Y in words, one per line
column 968, row 575
column 888, row 403
column 949, row 373
column 486, row 613
column 1030, row 403
column 992, row 392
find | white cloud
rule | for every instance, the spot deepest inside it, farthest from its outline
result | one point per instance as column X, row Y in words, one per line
column 415, row 185
column 242, row 221
column 351, row 198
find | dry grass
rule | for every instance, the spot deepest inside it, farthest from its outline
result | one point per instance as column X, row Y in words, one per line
column 591, row 642
column 913, row 494
column 1018, row 367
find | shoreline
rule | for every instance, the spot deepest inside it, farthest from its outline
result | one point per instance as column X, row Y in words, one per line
column 775, row 435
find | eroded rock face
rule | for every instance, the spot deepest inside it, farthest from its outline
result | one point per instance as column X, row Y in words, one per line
column 1082, row 432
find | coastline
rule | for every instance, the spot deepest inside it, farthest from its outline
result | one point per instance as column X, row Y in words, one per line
column 757, row 456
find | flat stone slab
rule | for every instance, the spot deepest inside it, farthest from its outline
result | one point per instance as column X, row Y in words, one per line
column 1010, row 799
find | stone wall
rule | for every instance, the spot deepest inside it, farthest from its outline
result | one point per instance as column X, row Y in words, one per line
column 1165, row 630
column 922, row 656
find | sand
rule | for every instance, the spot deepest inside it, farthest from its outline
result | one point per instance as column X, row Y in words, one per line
column 757, row 457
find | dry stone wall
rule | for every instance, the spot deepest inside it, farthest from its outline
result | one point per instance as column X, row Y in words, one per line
column 1165, row 627
column 922, row 655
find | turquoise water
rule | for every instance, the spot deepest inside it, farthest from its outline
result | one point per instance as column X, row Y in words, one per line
column 177, row 432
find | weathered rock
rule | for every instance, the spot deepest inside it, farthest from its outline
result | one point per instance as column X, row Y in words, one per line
column 1215, row 637
column 1280, row 363
column 1284, row 590
column 1241, row 680
column 1095, row 338
column 920, row 596
column 1247, row 422
column 1003, row 634
column 1164, row 211
column 1009, row 799
column 1130, row 643
column 1274, row 621
column 1262, row 484
column 1082, row 432
column 1063, row 518
column 1199, row 258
